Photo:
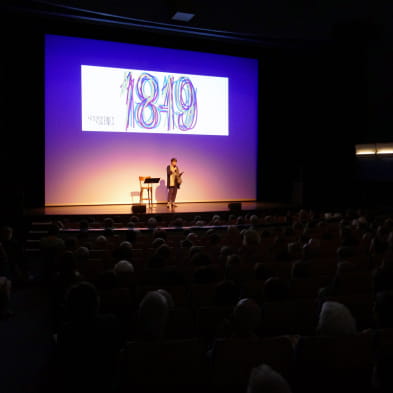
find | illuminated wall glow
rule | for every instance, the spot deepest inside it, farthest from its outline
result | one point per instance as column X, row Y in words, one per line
column 218, row 157
column 384, row 148
column 374, row 148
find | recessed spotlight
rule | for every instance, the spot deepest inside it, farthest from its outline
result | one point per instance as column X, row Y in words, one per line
column 183, row 16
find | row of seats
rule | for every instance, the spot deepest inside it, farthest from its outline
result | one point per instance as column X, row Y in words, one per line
column 310, row 364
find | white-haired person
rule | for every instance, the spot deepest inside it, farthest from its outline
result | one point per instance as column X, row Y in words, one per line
column 243, row 323
column 264, row 379
column 123, row 251
column 153, row 314
column 335, row 319
column 247, row 318
column 124, row 273
column 250, row 250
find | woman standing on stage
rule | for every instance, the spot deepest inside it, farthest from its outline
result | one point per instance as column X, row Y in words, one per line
column 173, row 181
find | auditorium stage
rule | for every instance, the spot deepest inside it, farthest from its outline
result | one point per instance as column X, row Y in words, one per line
column 158, row 208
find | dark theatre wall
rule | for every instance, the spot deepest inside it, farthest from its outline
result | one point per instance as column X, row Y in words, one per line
column 316, row 102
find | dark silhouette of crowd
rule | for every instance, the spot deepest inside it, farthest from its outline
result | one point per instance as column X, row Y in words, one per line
column 247, row 302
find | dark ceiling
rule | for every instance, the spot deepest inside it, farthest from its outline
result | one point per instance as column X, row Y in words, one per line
column 306, row 20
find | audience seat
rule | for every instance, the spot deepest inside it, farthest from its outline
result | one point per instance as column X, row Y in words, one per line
column 233, row 359
column 361, row 307
column 168, row 366
column 202, row 295
column 181, row 323
column 334, row 364
column 289, row 317
column 210, row 320
column 307, row 287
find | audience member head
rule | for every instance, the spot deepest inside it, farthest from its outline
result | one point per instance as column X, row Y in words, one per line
column 232, row 266
column 335, row 319
column 123, row 251
column 83, row 225
column 81, row 256
column 254, row 220
column 5, row 293
column 106, row 280
column 109, row 233
column 280, row 247
column 82, row 302
column 67, row 263
column 295, row 251
column 204, row 274
column 275, row 289
column 251, row 238
column 178, row 222
column 134, row 219
column 157, row 242
column 387, row 263
column 346, row 236
column 161, row 256
column 160, row 233
column 383, row 309
column 247, row 317
column 264, row 379
column 168, row 296
column 124, row 273
column 53, row 230
column 108, row 223
column 153, row 316
column 101, row 242
column 233, row 260
column 151, row 222
column 239, row 220
column 345, row 267
column 233, row 235
column 6, row 233
column 192, row 237
column 131, row 235
column 213, row 238
column 164, row 251
column 198, row 258
column 311, row 248
column 225, row 251
column 231, row 219
column 185, row 243
column 226, row 293
column 196, row 219
column 300, row 269
column 261, row 271
column 216, row 220
column 71, row 243
column 344, row 253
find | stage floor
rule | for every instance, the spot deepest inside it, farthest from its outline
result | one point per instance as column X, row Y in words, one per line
column 159, row 208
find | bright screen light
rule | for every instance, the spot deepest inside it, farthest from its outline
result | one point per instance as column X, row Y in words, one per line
column 116, row 111
column 121, row 100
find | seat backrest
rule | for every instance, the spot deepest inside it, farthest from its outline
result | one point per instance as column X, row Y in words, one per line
column 339, row 364
column 233, row 360
column 170, row 365
column 210, row 319
column 361, row 307
column 298, row 316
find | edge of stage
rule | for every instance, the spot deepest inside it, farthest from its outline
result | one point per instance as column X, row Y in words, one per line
column 156, row 208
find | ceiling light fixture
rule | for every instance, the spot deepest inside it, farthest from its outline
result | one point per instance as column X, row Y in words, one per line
column 182, row 16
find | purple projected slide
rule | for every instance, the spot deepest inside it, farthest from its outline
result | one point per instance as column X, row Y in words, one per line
column 117, row 111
